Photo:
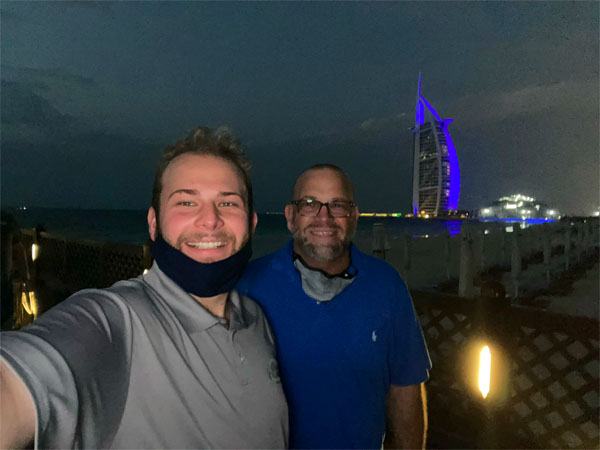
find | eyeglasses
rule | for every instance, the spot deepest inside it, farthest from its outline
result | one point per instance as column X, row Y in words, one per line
column 311, row 208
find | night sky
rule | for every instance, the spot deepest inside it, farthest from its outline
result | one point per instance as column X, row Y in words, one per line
column 92, row 92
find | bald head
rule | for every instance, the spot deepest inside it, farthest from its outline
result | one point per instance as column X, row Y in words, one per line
column 334, row 171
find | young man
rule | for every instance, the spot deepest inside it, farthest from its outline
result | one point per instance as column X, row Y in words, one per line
column 172, row 359
column 350, row 347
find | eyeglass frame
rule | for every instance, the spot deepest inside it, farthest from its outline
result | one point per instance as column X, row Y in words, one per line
column 321, row 204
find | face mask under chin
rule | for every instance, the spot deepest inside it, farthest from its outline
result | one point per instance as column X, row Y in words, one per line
column 200, row 279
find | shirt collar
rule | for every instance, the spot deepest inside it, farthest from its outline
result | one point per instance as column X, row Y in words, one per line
column 192, row 315
column 284, row 261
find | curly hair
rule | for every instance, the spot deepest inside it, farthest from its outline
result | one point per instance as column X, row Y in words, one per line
column 203, row 141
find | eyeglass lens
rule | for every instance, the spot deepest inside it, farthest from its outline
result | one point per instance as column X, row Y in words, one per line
column 312, row 208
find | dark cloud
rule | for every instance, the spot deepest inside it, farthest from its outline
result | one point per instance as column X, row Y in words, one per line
column 22, row 106
column 54, row 159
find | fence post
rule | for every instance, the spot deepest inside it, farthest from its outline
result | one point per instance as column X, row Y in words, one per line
column 515, row 259
column 380, row 244
column 506, row 247
column 494, row 323
column 547, row 250
column 406, row 250
column 447, row 238
column 579, row 241
column 465, row 278
column 478, row 252
column 567, row 239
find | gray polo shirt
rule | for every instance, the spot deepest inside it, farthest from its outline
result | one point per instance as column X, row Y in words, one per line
column 143, row 365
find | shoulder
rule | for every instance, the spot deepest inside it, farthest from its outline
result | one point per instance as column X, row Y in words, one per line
column 260, row 265
column 251, row 310
column 375, row 268
column 90, row 314
column 261, row 270
column 118, row 296
column 248, row 305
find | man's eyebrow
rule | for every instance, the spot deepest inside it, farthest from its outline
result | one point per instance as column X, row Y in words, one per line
column 183, row 191
column 225, row 194
column 195, row 192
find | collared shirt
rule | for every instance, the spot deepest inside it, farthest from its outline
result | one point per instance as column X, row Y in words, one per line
column 143, row 365
column 339, row 358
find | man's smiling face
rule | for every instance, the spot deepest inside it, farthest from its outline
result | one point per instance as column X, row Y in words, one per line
column 203, row 211
column 323, row 237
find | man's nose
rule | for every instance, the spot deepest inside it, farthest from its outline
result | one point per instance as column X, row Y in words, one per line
column 208, row 216
column 324, row 212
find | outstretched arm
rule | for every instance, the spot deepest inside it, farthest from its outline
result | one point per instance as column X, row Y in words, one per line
column 406, row 417
column 17, row 410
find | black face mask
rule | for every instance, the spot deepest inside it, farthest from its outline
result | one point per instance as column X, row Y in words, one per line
column 200, row 279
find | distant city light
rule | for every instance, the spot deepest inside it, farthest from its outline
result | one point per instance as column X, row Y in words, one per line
column 518, row 206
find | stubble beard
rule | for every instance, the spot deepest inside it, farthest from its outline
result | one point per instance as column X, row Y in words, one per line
column 324, row 252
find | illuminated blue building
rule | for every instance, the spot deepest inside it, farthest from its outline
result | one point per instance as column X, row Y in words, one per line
column 436, row 175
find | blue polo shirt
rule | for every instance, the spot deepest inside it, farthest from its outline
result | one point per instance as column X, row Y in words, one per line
column 338, row 358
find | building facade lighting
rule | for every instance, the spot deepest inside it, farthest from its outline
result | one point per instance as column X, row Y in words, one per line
column 436, row 173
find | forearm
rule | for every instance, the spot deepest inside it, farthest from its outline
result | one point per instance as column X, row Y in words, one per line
column 17, row 411
column 406, row 413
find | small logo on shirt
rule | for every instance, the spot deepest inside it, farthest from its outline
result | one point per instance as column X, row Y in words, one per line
column 273, row 370
column 374, row 336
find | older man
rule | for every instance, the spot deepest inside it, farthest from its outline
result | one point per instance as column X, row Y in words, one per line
column 350, row 347
column 173, row 359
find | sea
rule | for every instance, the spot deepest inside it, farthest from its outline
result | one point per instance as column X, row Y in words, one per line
column 130, row 226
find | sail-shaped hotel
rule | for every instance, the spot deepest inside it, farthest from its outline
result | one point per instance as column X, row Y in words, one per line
column 436, row 175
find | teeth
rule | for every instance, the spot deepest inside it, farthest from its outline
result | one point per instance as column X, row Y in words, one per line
column 203, row 245
column 323, row 233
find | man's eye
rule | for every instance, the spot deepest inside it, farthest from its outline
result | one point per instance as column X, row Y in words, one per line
column 185, row 203
column 234, row 204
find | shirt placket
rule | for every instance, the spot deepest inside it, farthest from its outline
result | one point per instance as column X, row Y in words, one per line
column 239, row 358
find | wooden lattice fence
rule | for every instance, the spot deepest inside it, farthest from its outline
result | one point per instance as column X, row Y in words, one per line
column 79, row 264
column 546, row 395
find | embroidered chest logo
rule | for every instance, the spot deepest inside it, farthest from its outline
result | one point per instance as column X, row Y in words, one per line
column 374, row 336
column 273, row 370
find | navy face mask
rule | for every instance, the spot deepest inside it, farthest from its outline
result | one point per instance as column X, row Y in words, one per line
column 200, row 279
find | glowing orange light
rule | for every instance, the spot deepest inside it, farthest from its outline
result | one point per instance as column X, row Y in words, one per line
column 485, row 370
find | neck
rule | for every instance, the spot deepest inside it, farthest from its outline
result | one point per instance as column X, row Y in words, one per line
column 330, row 267
column 216, row 305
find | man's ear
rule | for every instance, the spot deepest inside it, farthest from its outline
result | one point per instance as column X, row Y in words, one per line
column 152, row 223
column 289, row 216
column 254, row 222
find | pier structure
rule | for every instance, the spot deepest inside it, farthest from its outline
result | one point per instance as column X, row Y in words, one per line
column 436, row 174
